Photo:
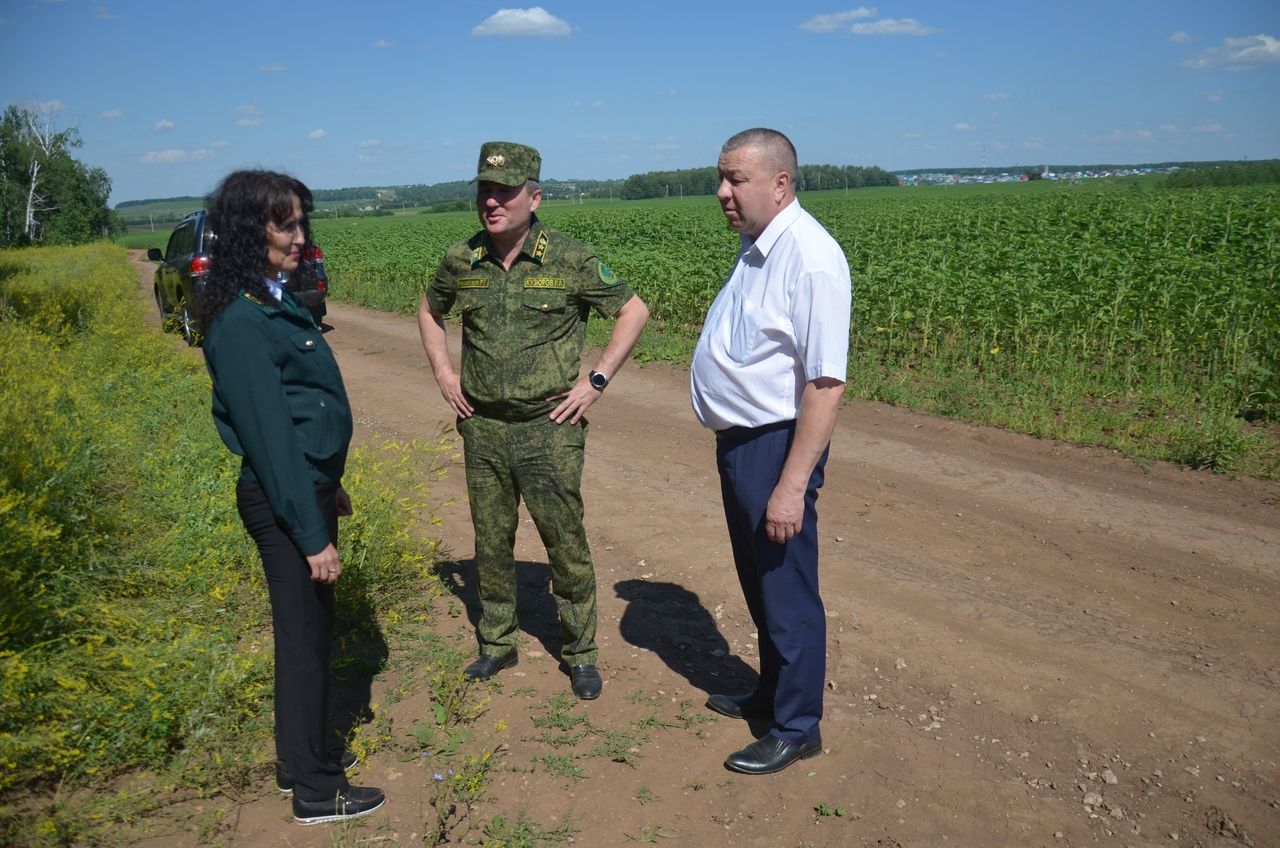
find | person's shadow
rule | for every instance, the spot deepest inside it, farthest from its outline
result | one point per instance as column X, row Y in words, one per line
column 671, row 621
column 536, row 614
column 359, row 653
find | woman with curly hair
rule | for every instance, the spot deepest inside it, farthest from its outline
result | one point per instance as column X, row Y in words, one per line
column 279, row 403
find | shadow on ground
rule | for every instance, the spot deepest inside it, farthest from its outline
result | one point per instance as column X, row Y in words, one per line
column 671, row 621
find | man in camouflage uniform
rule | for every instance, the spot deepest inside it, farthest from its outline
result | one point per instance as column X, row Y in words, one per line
column 525, row 293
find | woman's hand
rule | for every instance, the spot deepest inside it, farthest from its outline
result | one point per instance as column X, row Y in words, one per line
column 325, row 566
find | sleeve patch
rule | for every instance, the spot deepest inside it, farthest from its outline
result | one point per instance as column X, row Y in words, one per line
column 606, row 274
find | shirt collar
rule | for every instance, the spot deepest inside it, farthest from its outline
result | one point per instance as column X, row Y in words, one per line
column 783, row 220
column 535, row 244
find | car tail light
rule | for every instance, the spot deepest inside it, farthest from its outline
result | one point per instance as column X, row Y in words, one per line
column 199, row 264
column 322, row 285
column 312, row 253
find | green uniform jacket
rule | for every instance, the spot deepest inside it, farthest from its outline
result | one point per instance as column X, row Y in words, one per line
column 279, row 402
column 523, row 329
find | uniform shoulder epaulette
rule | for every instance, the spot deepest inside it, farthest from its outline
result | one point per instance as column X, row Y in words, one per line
column 540, row 246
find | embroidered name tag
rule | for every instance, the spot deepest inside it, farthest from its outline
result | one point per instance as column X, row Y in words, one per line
column 473, row 283
column 544, row 282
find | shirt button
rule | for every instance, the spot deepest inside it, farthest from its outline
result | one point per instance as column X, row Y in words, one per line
column 544, row 306
column 311, row 342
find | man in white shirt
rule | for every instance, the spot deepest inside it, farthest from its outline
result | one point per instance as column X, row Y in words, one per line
column 767, row 376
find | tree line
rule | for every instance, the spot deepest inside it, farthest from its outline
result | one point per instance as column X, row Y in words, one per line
column 46, row 195
column 705, row 181
column 1234, row 174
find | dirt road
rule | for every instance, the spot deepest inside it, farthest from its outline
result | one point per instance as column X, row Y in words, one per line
column 1030, row 644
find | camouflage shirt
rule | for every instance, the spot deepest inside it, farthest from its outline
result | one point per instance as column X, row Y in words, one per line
column 523, row 329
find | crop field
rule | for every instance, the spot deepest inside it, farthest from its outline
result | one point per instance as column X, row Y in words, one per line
column 1030, row 300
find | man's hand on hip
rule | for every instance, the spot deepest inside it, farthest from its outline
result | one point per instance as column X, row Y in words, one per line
column 574, row 402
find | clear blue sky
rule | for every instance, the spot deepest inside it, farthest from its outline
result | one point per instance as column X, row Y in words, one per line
column 168, row 97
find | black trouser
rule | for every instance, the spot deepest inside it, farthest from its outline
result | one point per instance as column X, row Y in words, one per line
column 301, row 616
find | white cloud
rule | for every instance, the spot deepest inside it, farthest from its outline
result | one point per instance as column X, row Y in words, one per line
column 1207, row 127
column 996, row 95
column 382, row 44
column 1033, row 143
column 666, row 145
column 105, row 14
column 911, row 135
column 1238, row 54
column 50, row 107
column 837, row 21
column 961, row 126
column 274, row 68
column 250, row 115
column 523, row 23
column 669, row 92
column 112, row 114
column 364, row 157
column 1169, row 128
column 317, row 134
column 893, row 26
column 174, row 156
column 1215, row 96
column 163, row 125
column 370, row 142
column 1181, row 38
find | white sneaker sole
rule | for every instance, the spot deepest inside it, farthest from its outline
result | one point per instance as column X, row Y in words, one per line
column 339, row 817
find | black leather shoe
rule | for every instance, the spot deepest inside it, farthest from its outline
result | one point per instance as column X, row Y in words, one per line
column 749, row 705
column 351, row 803
column 487, row 665
column 769, row 754
column 586, row 682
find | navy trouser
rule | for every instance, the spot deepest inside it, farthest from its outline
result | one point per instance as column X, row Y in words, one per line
column 779, row 580
column 301, row 619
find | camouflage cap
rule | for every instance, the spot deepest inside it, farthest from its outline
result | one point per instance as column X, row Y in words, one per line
column 507, row 163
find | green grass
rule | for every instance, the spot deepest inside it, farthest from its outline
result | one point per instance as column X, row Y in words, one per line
column 144, row 239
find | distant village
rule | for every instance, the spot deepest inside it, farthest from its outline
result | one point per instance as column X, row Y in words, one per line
column 1047, row 173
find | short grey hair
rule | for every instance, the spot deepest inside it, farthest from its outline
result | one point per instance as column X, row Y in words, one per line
column 780, row 153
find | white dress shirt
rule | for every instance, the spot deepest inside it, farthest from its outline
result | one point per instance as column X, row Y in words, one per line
column 781, row 321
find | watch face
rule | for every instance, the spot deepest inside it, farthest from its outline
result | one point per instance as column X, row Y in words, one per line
column 599, row 380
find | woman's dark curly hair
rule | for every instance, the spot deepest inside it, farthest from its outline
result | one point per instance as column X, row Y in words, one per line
column 239, row 210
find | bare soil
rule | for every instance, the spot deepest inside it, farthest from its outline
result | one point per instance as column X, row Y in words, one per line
column 1030, row 643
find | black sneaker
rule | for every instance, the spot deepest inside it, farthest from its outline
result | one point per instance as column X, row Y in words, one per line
column 351, row 803
column 338, row 756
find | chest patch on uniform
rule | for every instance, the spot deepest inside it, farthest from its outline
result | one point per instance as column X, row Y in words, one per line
column 473, row 283
column 477, row 256
column 606, row 274
column 544, row 282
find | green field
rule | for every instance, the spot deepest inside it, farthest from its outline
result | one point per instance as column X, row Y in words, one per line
column 1114, row 313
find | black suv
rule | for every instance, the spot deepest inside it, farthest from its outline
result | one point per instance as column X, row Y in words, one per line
column 184, row 264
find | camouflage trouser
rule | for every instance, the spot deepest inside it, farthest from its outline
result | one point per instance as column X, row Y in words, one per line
column 540, row 461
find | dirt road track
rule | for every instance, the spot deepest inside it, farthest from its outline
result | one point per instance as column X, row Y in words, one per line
column 1029, row 643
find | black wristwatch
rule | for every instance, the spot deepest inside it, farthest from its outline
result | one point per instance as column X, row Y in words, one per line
column 598, row 381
